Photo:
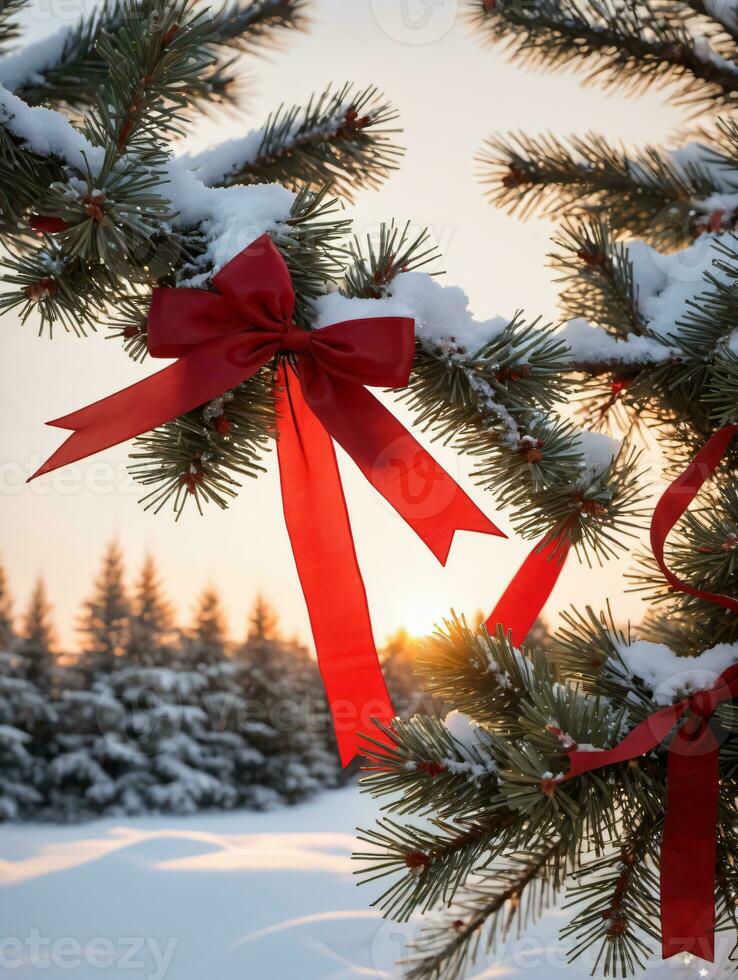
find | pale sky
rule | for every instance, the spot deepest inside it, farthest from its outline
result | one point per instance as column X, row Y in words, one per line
column 452, row 92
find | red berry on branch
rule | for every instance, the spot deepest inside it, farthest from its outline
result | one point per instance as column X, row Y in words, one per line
column 131, row 331
column 94, row 207
column 591, row 255
column 513, row 373
column 619, row 385
column 170, row 35
column 715, row 221
column 432, row 768
column 223, row 425
column 514, row 177
column 417, row 860
column 43, row 287
column 618, row 924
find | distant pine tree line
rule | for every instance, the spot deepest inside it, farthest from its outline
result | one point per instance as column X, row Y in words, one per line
column 149, row 717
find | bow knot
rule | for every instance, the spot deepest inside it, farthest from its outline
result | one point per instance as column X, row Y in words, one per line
column 295, row 340
column 704, row 704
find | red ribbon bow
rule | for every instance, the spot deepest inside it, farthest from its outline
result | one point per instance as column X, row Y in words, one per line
column 223, row 338
column 688, row 848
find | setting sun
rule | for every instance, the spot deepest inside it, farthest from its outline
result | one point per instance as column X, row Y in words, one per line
column 421, row 614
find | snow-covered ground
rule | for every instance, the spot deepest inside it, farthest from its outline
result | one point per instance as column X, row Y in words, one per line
column 234, row 896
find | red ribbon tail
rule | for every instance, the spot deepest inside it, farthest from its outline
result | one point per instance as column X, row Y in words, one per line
column 526, row 595
column 322, row 543
column 189, row 382
column 688, row 847
column 396, row 465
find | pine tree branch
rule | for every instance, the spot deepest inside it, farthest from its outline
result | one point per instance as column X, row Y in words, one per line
column 450, row 774
column 621, row 897
column 494, row 904
column 433, row 862
column 649, row 194
column 632, row 45
column 597, row 277
column 72, row 74
column 9, row 27
column 497, row 403
column 339, row 139
column 721, row 16
column 253, row 25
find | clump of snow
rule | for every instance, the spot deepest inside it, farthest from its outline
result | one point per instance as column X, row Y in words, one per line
column 230, row 217
column 697, row 156
column 667, row 282
column 463, row 728
column 598, row 449
column 29, row 65
column 215, row 164
column 670, row 677
column 46, row 132
column 441, row 313
column 468, row 736
column 726, row 11
column 593, row 345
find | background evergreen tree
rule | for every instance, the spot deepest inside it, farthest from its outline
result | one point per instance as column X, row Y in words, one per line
column 6, row 612
column 151, row 620
column 36, row 638
column 262, row 621
column 398, row 657
column 206, row 639
column 104, row 622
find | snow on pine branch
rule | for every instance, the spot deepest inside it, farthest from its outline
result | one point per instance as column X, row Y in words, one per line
column 289, row 128
column 590, row 345
column 703, row 159
column 469, row 738
column 667, row 284
column 670, row 677
column 724, row 11
column 230, row 217
column 47, row 133
column 441, row 312
column 29, row 66
column 215, row 164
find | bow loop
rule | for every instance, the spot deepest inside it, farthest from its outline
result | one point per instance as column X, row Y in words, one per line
column 257, row 284
column 180, row 319
column 374, row 351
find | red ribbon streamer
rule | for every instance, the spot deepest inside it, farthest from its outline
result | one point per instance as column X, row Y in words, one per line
column 526, row 595
column 675, row 502
column 222, row 338
column 693, row 768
